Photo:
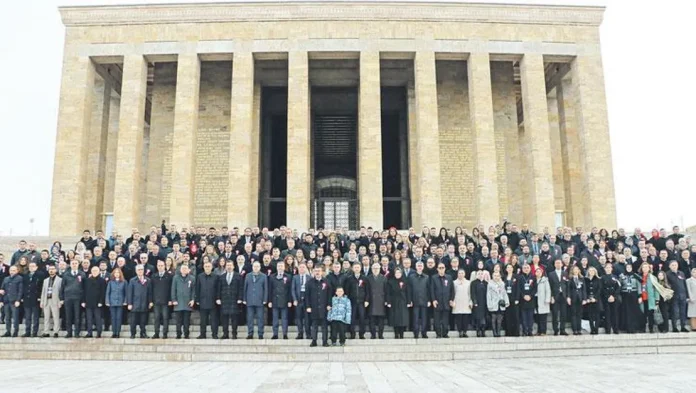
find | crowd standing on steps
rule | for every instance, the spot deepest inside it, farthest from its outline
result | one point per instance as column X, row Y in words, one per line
column 506, row 280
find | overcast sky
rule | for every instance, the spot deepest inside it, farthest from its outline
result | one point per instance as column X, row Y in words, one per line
column 648, row 50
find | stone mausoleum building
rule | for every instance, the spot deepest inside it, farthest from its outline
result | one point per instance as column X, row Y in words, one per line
column 331, row 114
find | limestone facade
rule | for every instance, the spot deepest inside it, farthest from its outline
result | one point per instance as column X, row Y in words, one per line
column 161, row 106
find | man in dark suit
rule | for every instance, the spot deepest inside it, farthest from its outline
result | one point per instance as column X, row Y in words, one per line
column 12, row 292
column 95, row 291
column 420, row 298
column 318, row 304
column 677, row 282
column 139, row 300
column 558, row 282
column 280, row 299
column 206, row 293
column 442, row 299
column 299, row 300
column 161, row 297
column 72, row 295
column 32, row 295
column 358, row 291
column 229, row 298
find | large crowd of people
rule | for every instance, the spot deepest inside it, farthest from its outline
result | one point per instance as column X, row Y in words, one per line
column 506, row 280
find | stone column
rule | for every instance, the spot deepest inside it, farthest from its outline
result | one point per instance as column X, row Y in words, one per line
column 573, row 160
column 74, row 120
column 188, row 76
column 483, row 126
column 536, row 126
column 370, row 142
column 239, row 202
column 130, row 143
column 299, row 142
column 96, row 156
column 593, row 128
column 428, row 141
column 557, row 167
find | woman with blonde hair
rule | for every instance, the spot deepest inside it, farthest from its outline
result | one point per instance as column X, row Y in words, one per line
column 497, row 301
column 593, row 288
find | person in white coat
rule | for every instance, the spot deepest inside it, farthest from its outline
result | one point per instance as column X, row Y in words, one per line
column 543, row 301
column 691, row 293
column 462, row 302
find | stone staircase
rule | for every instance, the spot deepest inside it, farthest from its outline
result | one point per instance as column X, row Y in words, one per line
column 408, row 349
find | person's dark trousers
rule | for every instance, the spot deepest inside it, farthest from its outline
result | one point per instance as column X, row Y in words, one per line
column 31, row 320
column 183, row 319
column 611, row 317
column 116, row 319
column 649, row 316
column 512, row 321
column 542, row 322
column 558, row 316
column 452, row 322
column 302, row 320
column 63, row 319
column 209, row 316
column 11, row 318
column 429, row 320
column 678, row 312
column 338, row 328
column 462, row 322
column 527, row 321
column 419, row 320
column 280, row 315
column 72, row 316
column 228, row 319
column 106, row 314
column 324, row 330
column 358, row 319
column 126, row 314
column 138, row 318
column 94, row 317
column 576, row 316
column 255, row 312
column 377, row 326
column 593, row 316
column 664, row 310
column 161, row 316
column 441, row 318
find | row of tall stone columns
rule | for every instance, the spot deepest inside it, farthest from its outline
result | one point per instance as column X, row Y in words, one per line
column 587, row 109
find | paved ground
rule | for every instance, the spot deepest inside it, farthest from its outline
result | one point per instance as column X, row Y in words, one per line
column 665, row 373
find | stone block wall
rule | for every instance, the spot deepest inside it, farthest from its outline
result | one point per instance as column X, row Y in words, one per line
column 213, row 145
column 456, row 146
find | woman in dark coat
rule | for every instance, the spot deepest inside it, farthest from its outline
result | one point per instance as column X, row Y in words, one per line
column 577, row 298
column 397, row 302
column 378, row 301
column 512, row 313
column 479, row 293
column 528, row 289
column 594, row 304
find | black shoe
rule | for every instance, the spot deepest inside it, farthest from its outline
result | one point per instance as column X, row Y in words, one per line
column 178, row 336
column 483, row 334
column 69, row 335
column 352, row 336
column 285, row 336
column 313, row 343
column 342, row 344
column 362, row 336
column 132, row 336
column 445, row 335
column 234, row 336
column 465, row 335
column 225, row 336
column 98, row 335
column 564, row 333
column 299, row 337
column 684, row 330
column 186, row 336
column 675, row 330
column 249, row 337
column 325, row 344
column 381, row 336
column 274, row 337
column 155, row 336
column 616, row 332
column 55, row 335
column 26, row 335
column 35, row 335
column 260, row 337
column 143, row 335
column 45, row 335
column 424, row 335
column 201, row 337
column 14, row 334
column 215, row 337
column 89, row 335
column 164, row 337
column 373, row 337
column 7, row 334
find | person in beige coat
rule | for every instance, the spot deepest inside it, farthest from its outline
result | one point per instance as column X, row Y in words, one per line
column 50, row 302
column 691, row 293
column 543, row 301
column 462, row 302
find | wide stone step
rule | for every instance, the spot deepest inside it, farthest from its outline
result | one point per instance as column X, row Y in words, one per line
column 355, row 350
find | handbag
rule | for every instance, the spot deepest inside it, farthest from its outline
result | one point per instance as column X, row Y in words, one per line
column 659, row 319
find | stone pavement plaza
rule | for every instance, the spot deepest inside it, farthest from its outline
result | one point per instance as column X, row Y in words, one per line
column 668, row 373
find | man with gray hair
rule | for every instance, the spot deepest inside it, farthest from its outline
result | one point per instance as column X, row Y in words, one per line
column 255, row 298
column 139, row 300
